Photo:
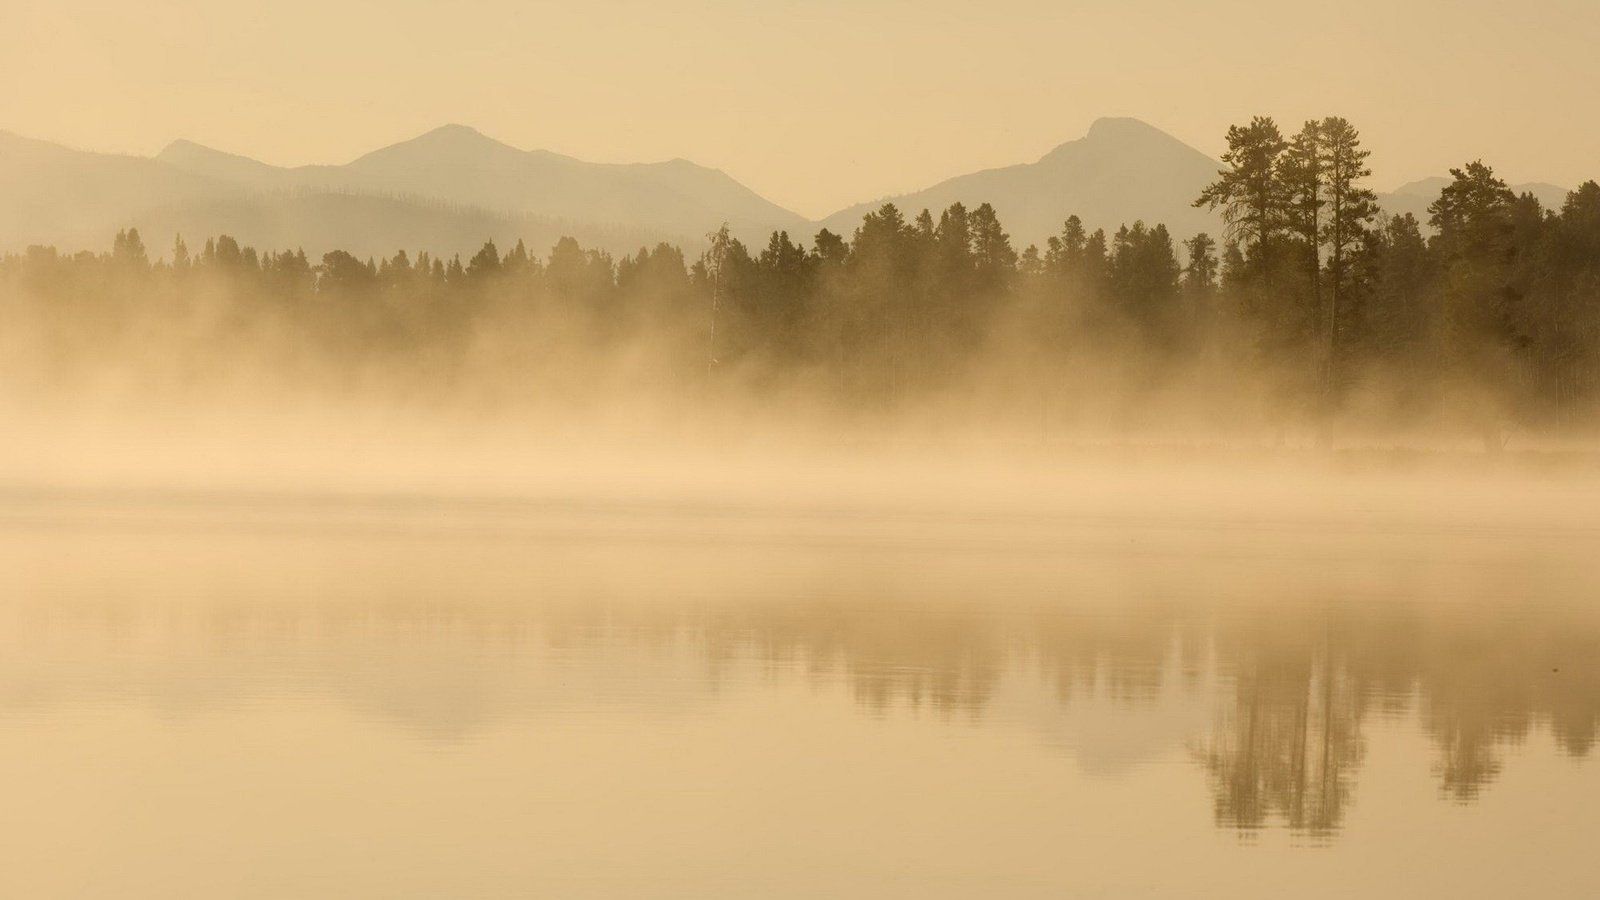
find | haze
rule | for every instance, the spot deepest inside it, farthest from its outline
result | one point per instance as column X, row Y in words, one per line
column 583, row 482
column 815, row 105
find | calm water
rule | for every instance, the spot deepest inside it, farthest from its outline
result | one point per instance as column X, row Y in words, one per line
column 242, row 697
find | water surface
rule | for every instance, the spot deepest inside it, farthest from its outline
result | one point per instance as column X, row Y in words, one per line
column 265, row 696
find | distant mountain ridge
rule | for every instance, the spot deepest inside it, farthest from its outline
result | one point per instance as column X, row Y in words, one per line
column 446, row 191
column 450, row 189
column 1121, row 171
column 1415, row 197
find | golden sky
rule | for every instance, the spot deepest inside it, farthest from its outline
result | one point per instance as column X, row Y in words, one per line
column 814, row 103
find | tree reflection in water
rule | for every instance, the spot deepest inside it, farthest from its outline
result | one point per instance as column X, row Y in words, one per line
column 1290, row 686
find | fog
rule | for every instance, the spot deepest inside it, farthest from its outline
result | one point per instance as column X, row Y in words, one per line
column 208, row 381
column 347, row 575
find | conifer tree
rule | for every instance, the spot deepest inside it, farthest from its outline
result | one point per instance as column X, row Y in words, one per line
column 1249, row 192
column 1351, row 206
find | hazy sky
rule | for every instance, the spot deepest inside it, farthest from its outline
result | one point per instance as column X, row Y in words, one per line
column 813, row 103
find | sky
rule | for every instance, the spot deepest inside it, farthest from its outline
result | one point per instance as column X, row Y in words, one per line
column 815, row 104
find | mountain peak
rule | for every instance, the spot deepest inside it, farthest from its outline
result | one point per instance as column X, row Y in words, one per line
column 186, row 150
column 1123, row 139
column 180, row 146
column 199, row 159
column 458, row 143
column 1423, row 187
column 457, row 137
column 1120, row 171
column 1122, row 126
column 455, row 131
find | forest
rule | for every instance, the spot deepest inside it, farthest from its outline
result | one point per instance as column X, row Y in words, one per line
column 1312, row 314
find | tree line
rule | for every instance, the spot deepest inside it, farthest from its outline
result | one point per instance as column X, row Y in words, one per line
column 1311, row 309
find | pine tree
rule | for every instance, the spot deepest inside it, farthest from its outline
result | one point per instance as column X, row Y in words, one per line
column 1350, row 208
column 180, row 255
column 1064, row 253
column 1300, row 170
column 1200, row 273
column 485, row 264
column 1473, row 218
column 1249, row 192
column 993, row 258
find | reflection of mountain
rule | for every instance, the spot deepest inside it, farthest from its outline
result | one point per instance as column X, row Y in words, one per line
column 1269, row 689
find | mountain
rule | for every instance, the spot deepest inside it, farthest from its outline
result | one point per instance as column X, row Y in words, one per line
column 459, row 166
column 452, row 188
column 1416, row 196
column 1122, row 170
column 77, row 200
column 446, row 191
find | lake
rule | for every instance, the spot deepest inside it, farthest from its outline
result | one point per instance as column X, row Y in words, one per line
column 278, row 695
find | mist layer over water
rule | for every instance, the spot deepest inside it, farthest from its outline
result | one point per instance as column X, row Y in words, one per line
column 521, row 581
